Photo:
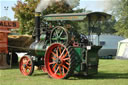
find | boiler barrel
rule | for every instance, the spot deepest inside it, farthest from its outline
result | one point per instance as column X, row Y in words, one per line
column 36, row 49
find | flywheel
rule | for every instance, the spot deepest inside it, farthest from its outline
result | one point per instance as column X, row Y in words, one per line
column 59, row 35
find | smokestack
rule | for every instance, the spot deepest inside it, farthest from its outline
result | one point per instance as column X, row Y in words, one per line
column 37, row 25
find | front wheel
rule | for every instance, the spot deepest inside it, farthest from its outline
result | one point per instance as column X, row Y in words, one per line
column 26, row 65
column 59, row 61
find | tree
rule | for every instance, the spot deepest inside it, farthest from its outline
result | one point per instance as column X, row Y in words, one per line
column 5, row 18
column 105, row 27
column 24, row 12
column 108, row 26
column 121, row 12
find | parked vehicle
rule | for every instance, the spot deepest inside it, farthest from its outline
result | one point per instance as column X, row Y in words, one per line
column 109, row 44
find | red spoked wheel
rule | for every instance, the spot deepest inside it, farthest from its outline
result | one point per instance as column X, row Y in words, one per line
column 59, row 61
column 26, row 65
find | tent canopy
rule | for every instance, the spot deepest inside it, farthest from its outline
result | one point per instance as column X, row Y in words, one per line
column 122, row 51
column 126, row 40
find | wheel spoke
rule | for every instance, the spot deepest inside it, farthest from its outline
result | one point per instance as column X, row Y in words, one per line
column 29, row 62
column 53, row 58
column 29, row 67
column 51, row 63
column 63, row 71
column 54, row 54
column 57, row 70
column 25, row 70
column 62, row 53
column 60, row 49
column 65, row 67
column 65, row 55
column 63, row 38
column 57, row 52
column 61, row 33
column 60, row 70
column 67, row 63
column 54, row 38
column 66, row 59
column 56, row 33
column 54, row 66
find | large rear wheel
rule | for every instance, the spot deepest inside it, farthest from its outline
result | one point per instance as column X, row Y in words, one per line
column 26, row 65
column 59, row 61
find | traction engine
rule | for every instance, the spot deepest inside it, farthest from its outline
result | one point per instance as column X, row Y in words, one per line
column 60, row 50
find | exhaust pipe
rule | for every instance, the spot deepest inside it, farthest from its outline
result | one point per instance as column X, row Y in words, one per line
column 37, row 25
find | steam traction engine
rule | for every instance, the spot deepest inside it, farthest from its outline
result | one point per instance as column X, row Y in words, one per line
column 60, row 50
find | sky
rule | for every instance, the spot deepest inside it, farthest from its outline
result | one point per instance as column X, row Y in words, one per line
column 94, row 5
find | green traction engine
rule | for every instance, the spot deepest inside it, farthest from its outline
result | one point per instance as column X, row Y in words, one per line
column 59, row 49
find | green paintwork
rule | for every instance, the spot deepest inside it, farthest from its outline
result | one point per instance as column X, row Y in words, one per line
column 78, row 16
column 58, row 38
column 65, row 18
column 63, row 38
column 59, row 34
column 54, row 38
column 78, row 52
column 93, row 55
column 91, row 60
column 43, row 36
column 39, row 49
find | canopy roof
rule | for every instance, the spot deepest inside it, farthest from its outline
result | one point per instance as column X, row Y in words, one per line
column 101, row 16
column 125, row 40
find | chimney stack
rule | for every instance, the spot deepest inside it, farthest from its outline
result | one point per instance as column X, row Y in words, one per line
column 37, row 25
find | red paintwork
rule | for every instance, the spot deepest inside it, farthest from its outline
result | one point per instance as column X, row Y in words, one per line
column 9, row 24
column 25, row 65
column 57, row 52
column 44, row 69
column 4, row 26
column 4, row 41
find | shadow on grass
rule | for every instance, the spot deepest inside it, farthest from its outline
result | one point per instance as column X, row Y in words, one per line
column 40, row 74
column 102, row 76
column 99, row 76
column 12, row 67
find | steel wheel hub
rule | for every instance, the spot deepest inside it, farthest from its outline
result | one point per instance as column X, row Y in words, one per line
column 58, row 61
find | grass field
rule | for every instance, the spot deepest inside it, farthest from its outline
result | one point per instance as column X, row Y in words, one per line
column 111, row 72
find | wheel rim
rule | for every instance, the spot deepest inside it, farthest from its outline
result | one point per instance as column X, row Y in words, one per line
column 57, row 61
column 26, row 65
column 59, row 34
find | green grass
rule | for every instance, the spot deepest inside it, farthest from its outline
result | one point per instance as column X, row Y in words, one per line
column 111, row 72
